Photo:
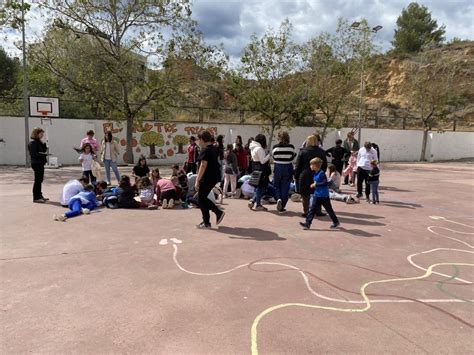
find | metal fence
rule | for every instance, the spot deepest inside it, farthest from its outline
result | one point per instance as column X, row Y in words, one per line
column 372, row 119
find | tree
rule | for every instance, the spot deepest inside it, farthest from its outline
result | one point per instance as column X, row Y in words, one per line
column 415, row 29
column 266, row 81
column 429, row 82
column 8, row 71
column 180, row 141
column 152, row 139
column 106, row 50
column 332, row 67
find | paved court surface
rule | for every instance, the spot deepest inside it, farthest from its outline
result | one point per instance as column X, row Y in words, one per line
column 396, row 278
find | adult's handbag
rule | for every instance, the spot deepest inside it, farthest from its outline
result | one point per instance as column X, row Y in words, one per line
column 256, row 178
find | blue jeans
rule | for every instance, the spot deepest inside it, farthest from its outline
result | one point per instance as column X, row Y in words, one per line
column 374, row 189
column 257, row 197
column 75, row 206
column 316, row 203
column 107, row 165
column 282, row 176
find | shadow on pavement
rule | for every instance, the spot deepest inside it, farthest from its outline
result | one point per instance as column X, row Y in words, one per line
column 358, row 215
column 250, row 234
column 399, row 204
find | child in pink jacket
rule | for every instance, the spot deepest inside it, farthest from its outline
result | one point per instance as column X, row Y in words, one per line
column 351, row 168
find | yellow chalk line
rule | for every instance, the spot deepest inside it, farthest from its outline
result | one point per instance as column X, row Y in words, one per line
column 253, row 335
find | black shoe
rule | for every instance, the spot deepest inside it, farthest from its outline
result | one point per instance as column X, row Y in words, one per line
column 45, row 199
column 304, row 225
column 203, row 225
column 40, row 200
column 321, row 214
column 220, row 217
column 359, row 195
column 334, row 225
column 279, row 205
column 283, row 210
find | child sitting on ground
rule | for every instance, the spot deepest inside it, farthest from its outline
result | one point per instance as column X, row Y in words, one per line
column 164, row 189
column 146, row 193
column 321, row 196
column 127, row 193
column 84, row 202
column 141, row 169
column 86, row 158
column 334, row 181
column 374, row 181
column 180, row 181
column 351, row 169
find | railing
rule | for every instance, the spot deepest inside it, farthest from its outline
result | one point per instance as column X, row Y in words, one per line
column 82, row 110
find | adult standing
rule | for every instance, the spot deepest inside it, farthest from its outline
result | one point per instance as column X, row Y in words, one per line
column 109, row 155
column 89, row 139
column 249, row 155
column 260, row 162
column 38, row 152
column 351, row 145
column 338, row 154
column 283, row 155
column 303, row 173
column 364, row 157
column 193, row 155
column 208, row 177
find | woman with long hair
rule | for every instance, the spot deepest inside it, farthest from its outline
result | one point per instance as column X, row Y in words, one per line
column 109, row 155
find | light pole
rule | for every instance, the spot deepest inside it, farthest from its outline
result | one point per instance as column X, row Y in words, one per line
column 25, row 85
column 365, row 31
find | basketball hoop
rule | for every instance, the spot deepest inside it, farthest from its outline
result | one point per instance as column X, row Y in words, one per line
column 45, row 119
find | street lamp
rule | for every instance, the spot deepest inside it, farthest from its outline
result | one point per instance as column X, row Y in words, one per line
column 365, row 30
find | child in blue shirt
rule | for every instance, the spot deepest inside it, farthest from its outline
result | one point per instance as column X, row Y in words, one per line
column 320, row 197
column 83, row 202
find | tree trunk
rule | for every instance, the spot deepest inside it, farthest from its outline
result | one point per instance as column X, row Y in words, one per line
column 180, row 148
column 152, row 152
column 323, row 133
column 129, row 149
column 270, row 139
column 423, row 144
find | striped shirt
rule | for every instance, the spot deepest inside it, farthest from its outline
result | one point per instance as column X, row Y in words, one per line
column 283, row 153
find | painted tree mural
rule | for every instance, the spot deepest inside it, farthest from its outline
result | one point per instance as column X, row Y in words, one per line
column 180, row 141
column 152, row 139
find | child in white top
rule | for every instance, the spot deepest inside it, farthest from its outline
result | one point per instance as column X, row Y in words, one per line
column 86, row 158
column 334, row 178
column 146, row 193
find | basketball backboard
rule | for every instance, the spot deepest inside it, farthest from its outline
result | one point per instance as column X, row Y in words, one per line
column 45, row 107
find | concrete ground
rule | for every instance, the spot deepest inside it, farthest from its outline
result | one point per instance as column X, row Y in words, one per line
column 397, row 278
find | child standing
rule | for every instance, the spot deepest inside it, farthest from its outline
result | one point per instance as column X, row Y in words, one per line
column 146, row 193
column 351, row 168
column 374, row 181
column 231, row 171
column 86, row 158
column 321, row 196
column 84, row 202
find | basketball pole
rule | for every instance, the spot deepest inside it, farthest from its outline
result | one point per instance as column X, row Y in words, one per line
column 25, row 86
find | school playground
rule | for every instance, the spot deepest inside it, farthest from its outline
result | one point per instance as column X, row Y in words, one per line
column 396, row 278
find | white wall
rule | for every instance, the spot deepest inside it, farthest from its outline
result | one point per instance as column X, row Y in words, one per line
column 64, row 134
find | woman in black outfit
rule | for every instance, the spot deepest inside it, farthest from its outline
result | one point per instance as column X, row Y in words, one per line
column 303, row 173
column 38, row 153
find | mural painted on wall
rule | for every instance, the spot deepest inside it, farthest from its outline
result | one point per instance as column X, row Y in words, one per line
column 157, row 140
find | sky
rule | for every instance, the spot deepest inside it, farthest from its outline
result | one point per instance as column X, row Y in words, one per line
column 232, row 22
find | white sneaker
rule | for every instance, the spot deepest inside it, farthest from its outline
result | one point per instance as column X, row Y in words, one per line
column 85, row 211
column 59, row 218
column 164, row 204
column 171, row 203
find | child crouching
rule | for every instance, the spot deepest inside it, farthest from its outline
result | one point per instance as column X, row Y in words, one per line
column 320, row 197
column 83, row 202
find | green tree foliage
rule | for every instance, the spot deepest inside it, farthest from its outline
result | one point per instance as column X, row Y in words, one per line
column 110, row 51
column 266, row 82
column 9, row 68
column 332, row 70
column 416, row 29
column 152, row 139
column 430, row 80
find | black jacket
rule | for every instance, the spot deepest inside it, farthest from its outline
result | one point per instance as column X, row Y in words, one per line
column 303, row 173
column 338, row 153
column 38, row 151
